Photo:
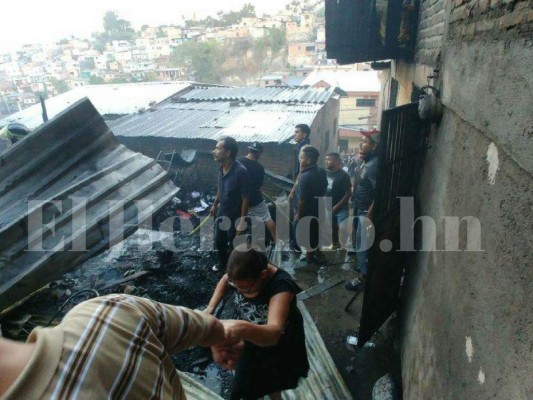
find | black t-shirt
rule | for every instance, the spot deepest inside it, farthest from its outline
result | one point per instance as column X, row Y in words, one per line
column 297, row 148
column 311, row 184
column 256, row 176
column 366, row 188
column 338, row 183
column 264, row 370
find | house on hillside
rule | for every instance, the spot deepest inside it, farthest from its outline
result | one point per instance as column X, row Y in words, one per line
column 199, row 118
column 359, row 108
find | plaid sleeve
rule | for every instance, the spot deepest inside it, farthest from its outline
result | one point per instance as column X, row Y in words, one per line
column 176, row 327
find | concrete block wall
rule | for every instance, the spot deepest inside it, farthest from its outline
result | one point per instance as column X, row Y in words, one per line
column 467, row 321
column 476, row 20
column 430, row 31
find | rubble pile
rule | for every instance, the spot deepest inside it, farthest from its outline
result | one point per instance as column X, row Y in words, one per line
column 143, row 266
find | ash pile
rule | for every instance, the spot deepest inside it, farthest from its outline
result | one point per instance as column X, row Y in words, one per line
column 162, row 264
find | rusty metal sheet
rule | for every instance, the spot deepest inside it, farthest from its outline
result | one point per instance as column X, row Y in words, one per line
column 324, row 380
column 58, row 188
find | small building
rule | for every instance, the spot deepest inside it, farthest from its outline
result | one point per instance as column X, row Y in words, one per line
column 359, row 109
column 272, row 80
column 302, row 53
column 199, row 118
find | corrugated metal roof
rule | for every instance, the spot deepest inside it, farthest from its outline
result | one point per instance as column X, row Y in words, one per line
column 323, row 380
column 71, row 160
column 349, row 81
column 108, row 99
column 195, row 390
column 262, row 122
column 263, row 95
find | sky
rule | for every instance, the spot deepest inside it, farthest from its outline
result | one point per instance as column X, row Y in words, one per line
column 44, row 21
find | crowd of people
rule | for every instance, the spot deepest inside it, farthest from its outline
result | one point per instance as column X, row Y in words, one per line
column 120, row 346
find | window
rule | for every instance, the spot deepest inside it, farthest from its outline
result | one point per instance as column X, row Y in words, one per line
column 365, row 102
column 309, row 48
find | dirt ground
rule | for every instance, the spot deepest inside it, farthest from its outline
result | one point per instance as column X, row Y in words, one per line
column 174, row 277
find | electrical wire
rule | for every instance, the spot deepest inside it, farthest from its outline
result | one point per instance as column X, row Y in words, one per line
column 93, row 291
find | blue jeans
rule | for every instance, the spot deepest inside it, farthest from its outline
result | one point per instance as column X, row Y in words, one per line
column 339, row 217
column 361, row 242
column 224, row 243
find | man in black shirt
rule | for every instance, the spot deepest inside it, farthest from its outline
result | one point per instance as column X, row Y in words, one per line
column 340, row 190
column 301, row 137
column 231, row 203
column 256, row 175
column 364, row 203
column 312, row 184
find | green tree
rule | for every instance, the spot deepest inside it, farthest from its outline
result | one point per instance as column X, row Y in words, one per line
column 225, row 19
column 203, row 59
column 115, row 28
column 276, row 39
column 59, row 86
column 119, row 80
column 96, row 80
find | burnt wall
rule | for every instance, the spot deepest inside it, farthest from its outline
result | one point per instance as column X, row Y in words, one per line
column 467, row 321
column 276, row 157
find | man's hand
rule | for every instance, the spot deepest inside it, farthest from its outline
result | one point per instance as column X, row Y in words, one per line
column 241, row 227
column 227, row 352
column 227, row 356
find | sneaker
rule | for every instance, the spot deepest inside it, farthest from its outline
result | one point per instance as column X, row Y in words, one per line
column 355, row 285
column 296, row 248
column 333, row 247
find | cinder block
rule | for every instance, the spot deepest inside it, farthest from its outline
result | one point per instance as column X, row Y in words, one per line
column 486, row 25
column 459, row 13
column 515, row 18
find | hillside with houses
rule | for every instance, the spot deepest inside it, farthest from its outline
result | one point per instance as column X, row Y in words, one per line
column 231, row 48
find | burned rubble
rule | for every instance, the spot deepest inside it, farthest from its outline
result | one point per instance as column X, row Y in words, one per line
column 143, row 266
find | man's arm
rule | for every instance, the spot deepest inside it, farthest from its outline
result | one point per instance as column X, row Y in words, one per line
column 243, row 182
column 347, row 195
column 177, row 327
column 214, row 209
column 293, row 190
column 370, row 213
column 219, row 293
column 372, row 178
column 268, row 334
column 344, row 200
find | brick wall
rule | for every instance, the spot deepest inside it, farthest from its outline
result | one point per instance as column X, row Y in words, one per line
column 486, row 19
column 430, row 31
column 483, row 53
column 468, row 20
